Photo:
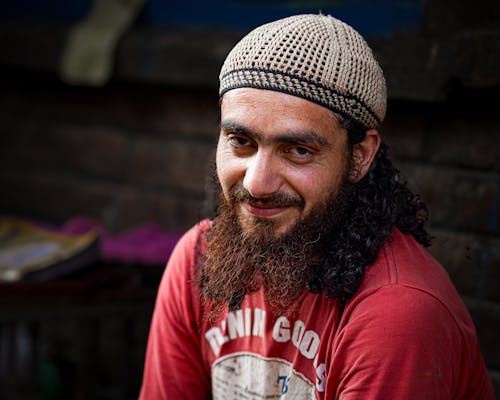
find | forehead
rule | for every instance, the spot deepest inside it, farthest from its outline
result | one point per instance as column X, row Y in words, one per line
column 270, row 112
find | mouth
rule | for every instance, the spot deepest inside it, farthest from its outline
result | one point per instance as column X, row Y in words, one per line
column 262, row 210
column 265, row 208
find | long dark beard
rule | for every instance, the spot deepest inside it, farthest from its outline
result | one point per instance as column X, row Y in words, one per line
column 242, row 260
column 351, row 232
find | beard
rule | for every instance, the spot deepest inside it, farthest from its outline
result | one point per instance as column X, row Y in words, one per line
column 242, row 257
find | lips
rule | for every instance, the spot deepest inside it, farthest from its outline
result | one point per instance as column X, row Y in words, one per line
column 261, row 210
column 268, row 207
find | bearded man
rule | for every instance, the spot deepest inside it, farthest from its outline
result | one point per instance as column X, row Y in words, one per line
column 311, row 280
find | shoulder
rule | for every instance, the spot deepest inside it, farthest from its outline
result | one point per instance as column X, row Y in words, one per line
column 407, row 293
column 188, row 248
column 402, row 311
column 179, row 276
column 399, row 342
column 406, row 268
column 191, row 239
column 403, row 339
column 407, row 301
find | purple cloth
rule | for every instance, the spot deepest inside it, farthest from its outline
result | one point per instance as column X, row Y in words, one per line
column 147, row 244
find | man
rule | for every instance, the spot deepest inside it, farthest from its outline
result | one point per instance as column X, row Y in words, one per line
column 311, row 280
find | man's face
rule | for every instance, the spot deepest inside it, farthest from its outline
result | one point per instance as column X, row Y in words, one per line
column 280, row 158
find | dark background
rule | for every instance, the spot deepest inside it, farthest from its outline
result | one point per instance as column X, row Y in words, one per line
column 137, row 148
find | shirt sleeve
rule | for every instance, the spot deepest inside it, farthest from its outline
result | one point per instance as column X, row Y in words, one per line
column 174, row 367
column 402, row 343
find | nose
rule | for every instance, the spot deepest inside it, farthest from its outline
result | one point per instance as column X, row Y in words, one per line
column 262, row 177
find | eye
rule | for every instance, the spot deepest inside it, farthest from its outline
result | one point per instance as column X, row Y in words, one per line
column 301, row 151
column 299, row 154
column 241, row 144
column 237, row 140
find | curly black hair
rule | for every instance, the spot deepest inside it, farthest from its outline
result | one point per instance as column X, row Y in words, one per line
column 380, row 202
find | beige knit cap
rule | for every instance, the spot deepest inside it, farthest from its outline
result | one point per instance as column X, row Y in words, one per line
column 316, row 57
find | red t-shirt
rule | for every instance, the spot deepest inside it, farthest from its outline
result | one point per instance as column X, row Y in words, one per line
column 405, row 334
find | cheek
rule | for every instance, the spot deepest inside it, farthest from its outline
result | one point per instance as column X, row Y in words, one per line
column 221, row 172
column 228, row 171
column 318, row 186
column 219, row 165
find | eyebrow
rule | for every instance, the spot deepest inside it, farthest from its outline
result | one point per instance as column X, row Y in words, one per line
column 306, row 137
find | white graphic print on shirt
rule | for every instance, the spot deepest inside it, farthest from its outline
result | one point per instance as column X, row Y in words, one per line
column 252, row 322
column 248, row 376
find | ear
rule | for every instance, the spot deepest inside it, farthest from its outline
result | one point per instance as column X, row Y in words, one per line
column 363, row 154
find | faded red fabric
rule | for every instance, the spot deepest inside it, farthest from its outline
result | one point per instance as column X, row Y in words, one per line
column 405, row 334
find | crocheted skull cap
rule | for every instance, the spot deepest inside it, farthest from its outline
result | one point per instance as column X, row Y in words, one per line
column 316, row 57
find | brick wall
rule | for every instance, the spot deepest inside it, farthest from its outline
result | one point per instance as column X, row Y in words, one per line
column 122, row 155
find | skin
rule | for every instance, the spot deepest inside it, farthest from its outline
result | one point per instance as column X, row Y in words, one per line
column 272, row 143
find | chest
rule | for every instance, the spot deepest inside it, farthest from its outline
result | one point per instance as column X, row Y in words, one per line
column 254, row 352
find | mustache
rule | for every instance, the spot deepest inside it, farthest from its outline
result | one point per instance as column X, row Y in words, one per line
column 239, row 194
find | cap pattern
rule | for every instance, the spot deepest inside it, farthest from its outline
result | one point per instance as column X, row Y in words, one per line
column 316, row 57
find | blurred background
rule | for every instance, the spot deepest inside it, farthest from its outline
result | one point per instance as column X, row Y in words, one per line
column 108, row 122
